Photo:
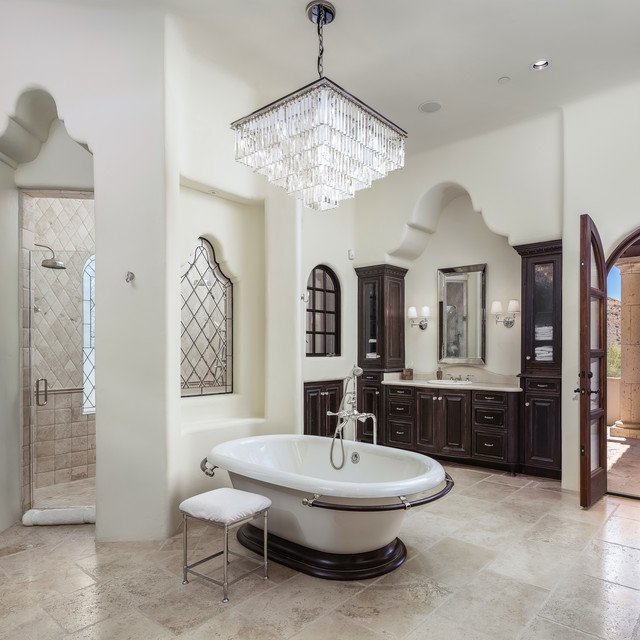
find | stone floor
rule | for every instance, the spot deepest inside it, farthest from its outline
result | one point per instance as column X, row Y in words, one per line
column 78, row 493
column 623, row 456
column 500, row 557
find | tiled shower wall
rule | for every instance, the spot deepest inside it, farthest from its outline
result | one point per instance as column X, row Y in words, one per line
column 62, row 436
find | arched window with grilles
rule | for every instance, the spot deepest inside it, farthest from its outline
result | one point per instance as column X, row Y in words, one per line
column 207, row 325
column 323, row 313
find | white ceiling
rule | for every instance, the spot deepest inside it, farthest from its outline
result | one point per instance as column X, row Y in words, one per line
column 395, row 54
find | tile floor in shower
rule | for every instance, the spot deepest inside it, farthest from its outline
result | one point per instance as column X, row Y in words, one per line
column 501, row 557
column 78, row 493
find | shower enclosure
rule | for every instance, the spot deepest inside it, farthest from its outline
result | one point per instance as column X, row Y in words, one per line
column 58, row 318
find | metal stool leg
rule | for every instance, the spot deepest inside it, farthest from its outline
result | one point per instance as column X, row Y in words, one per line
column 184, row 549
column 225, row 585
column 266, row 570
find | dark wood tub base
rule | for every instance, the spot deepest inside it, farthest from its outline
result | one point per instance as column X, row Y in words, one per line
column 330, row 566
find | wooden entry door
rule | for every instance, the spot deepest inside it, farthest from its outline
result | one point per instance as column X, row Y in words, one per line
column 593, row 365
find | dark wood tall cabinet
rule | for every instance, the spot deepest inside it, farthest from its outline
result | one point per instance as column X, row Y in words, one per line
column 381, row 325
column 541, row 444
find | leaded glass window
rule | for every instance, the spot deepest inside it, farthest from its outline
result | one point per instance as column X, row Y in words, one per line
column 207, row 325
column 323, row 313
column 89, row 336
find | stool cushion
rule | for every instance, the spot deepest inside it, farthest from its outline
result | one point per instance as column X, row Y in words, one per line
column 224, row 506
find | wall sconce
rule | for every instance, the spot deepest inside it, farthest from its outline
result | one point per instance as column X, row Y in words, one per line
column 509, row 319
column 423, row 321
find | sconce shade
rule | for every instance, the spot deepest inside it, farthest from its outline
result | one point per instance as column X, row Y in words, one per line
column 496, row 307
column 425, row 312
column 513, row 306
column 412, row 312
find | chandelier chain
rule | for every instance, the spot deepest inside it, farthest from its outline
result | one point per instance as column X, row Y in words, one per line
column 321, row 22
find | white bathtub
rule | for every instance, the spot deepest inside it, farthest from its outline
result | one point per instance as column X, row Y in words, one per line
column 289, row 468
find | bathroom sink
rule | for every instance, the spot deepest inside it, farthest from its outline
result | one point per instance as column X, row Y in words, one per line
column 449, row 383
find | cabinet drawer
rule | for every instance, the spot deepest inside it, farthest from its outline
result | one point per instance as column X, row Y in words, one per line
column 543, row 385
column 489, row 417
column 400, row 408
column 496, row 397
column 399, row 392
column 490, row 445
column 400, row 432
column 371, row 377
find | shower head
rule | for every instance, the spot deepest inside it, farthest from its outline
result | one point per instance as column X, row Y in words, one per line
column 52, row 262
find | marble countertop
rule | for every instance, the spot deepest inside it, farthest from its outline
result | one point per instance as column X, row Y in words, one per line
column 474, row 386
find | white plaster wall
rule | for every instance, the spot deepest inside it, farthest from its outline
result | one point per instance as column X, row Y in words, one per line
column 62, row 163
column 10, row 397
column 462, row 238
column 513, row 175
column 108, row 84
column 327, row 237
column 259, row 235
column 602, row 165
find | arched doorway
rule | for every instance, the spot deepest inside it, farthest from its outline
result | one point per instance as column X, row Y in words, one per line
column 623, row 368
column 51, row 177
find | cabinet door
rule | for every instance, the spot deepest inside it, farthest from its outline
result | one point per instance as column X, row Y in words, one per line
column 370, row 337
column 370, row 401
column 542, row 431
column 313, row 417
column 393, row 353
column 332, row 397
column 400, row 433
column 542, row 313
column 455, row 423
column 427, row 410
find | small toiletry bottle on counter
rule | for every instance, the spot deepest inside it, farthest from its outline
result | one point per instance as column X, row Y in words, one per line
column 439, row 373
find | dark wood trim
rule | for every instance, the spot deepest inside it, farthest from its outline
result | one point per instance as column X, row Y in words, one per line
column 593, row 483
column 330, row 566
column 539, row 248
column 381, row 269
column 329, row 273
column 625, row 244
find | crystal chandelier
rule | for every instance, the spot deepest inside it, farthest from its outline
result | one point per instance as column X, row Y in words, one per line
column 320, row 143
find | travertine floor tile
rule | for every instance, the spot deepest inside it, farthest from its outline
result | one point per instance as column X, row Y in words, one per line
column 594, row 606
column 621, row 531
column 379, row 608
column 30, row 622
column 503, row 605
column 492, row 530
column 561, row 531
column 489, row 491
column 436, row 627
column 612, row 562
column 541, row 629
column 538, row 563
column 336, row 625
column 130, row 626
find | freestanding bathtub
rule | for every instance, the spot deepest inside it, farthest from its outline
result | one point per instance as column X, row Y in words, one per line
column 339, row 524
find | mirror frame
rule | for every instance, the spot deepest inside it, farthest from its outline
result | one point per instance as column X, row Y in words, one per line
column 442, row 274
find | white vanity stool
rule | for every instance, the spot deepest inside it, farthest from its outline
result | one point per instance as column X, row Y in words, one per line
column 225, row 508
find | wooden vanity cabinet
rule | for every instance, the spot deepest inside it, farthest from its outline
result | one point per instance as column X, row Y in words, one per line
column 478, row 427
column 541, row 450
column 370, row 400
column 320, row 397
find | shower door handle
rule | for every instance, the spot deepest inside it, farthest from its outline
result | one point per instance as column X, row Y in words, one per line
column 42, row 392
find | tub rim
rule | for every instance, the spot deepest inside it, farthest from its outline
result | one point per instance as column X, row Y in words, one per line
column 433, row 476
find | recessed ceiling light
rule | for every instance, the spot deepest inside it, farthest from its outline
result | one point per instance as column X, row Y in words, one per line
column 504, row 80
column 431, row 106
column 539, row 65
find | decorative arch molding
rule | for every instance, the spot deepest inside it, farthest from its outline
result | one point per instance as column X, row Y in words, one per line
column 424, row 218
column 27, row 129
column 629, row 241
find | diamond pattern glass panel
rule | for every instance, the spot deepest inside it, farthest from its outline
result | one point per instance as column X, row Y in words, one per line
column 207, row 325
column 89, row 336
